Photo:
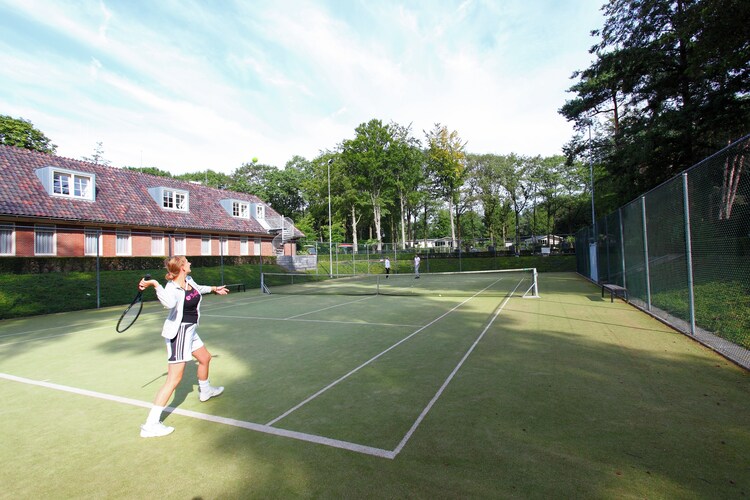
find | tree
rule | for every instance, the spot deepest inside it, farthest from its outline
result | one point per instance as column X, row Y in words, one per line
column 210, row 178
column 366, row 160
column 279, row 188
column 98, row 156
column 669, row 86
column 157, row 172
column 487, row 173
column 406, row 155
column 514, row 177
column 22, row 134
column 446, row 161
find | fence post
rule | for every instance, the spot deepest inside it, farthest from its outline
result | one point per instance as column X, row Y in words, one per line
column 98, row 276
column 622, row 249
column 688, row 252
column 606, row 247
column 645, row 253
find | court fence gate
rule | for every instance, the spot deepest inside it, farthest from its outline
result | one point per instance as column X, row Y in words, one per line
column 682, row 251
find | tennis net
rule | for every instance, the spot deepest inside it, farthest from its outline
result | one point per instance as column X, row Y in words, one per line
column 519, row 282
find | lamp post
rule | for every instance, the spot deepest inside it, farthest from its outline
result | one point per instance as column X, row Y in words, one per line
column 593, row 258
column 330, row 237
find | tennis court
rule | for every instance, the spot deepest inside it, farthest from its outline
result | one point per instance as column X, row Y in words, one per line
column 441, row 391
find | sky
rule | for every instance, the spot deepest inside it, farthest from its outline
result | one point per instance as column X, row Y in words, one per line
column 186, row 86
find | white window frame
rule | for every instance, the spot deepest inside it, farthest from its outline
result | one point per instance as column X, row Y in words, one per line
column 87, row 234
column 8, row 235
column 123, row 235
column 180, row 244
column 244, row 246
column 241, row 209
column 257, row 246
column 65, row 183
column 206, row 244
column 177, row 200
column 174, row 199
column 223, row 245
column 157, row 244
column 260, row 212
column 40, row 230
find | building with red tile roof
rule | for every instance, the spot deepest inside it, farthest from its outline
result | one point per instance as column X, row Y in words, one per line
column 57, row 206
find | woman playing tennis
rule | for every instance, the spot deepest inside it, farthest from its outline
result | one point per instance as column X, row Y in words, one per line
column 182, row 296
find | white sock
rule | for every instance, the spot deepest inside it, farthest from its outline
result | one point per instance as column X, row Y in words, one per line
column 154, row 416
column 204, row 385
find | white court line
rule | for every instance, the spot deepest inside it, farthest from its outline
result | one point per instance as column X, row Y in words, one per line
column 311, row 438
column 266, row 318
column 28, row 332
column 35, row 339
column 344, row 377
column 331, row 307
column 368, row 450
column 429, row 406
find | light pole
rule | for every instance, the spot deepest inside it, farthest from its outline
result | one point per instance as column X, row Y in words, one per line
column 593, row 258
column 330, row 237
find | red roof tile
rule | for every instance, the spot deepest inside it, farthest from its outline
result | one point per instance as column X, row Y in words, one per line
column 122, row 197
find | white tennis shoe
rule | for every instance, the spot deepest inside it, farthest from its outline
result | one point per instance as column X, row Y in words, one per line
column 155, row 430
column 210, row 393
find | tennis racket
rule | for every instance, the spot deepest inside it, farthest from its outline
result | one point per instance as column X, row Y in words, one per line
column 131, row 313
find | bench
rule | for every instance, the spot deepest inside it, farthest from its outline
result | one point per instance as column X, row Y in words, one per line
column 615, row 291
column 239, row 286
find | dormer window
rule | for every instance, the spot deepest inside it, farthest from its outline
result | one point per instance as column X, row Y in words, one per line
column 236, row 208
column 240, row 209
column 67, row 183
column 260, row 212
column 170, row 199
column 176, row 200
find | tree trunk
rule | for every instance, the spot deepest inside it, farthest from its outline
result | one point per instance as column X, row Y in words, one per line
column 376, row 219
column 402, row 220
column 354, row 229
column 730, row 183
column 453, row 223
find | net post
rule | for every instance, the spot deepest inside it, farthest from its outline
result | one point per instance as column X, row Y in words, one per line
column 263, row 287
column 534, row 288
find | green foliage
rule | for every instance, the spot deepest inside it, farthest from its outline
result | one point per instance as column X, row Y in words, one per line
column 208, row 178
column 22, row 134
column 669, row 86
column 280, row 188
column 154, row 171
column 367, row 163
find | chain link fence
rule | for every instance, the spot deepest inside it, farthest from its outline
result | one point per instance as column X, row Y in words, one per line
column 369, row 258
column 682, row 251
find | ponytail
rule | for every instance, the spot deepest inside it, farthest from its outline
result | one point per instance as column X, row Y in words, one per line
column 174, row 265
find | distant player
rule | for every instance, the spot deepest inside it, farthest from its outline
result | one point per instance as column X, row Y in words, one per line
column 387, row 268
column 416, row 266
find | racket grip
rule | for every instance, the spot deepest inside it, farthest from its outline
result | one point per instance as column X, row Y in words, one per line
column 147, row 277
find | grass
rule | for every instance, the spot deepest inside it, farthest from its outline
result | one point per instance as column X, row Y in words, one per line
column 722, row 308
column 563, row 396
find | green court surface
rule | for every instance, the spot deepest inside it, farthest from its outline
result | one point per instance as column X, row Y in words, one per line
column 329, row 396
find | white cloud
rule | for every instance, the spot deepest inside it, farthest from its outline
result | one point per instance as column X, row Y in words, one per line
column 213, row 85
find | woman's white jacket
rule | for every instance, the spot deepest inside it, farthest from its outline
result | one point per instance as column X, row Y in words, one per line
column 172, row 297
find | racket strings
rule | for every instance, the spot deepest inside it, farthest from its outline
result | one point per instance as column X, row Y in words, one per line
column 129, row 316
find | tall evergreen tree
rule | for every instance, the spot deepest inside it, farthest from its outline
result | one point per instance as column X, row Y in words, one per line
column 669, row 86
